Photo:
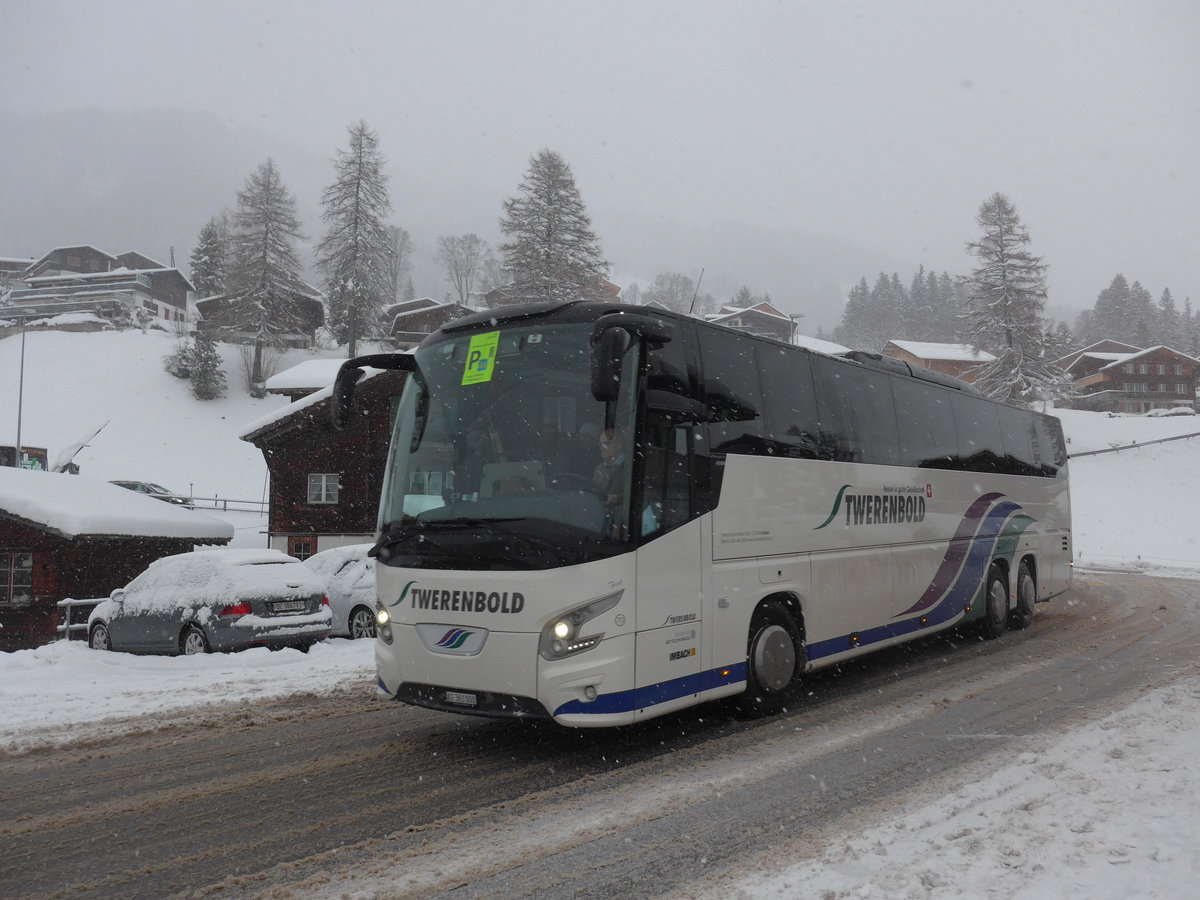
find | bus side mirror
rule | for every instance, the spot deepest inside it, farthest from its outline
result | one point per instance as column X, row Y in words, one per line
column 350, row 373
column 611, row 340
column 608, row 349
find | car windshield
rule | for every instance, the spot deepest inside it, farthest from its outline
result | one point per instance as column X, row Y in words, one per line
column 513, row 465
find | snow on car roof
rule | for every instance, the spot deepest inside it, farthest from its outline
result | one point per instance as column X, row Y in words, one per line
column 73, row 505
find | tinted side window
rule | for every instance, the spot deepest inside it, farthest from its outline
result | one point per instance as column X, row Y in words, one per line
column 1050, row 446
column 926, row 421
column 1018, row 431
column 668, row 368
column 732, row 393
column 861, row 401
column 980, row 442
column 789, row 402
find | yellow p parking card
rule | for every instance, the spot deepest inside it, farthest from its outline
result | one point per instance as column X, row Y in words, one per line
column 481, row 358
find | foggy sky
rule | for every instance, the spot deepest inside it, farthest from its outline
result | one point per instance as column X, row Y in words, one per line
column 886, row 124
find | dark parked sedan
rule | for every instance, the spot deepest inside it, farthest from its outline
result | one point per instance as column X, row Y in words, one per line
column 214, row 600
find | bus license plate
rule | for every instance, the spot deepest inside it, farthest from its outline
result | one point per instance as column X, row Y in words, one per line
column 285, row 606
column 462, row 698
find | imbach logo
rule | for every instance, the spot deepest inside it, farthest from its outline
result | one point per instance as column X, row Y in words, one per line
column 462, row 601
column 877, row 509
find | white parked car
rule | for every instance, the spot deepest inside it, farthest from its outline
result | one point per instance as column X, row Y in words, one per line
column 210, row 600
column 349, row 576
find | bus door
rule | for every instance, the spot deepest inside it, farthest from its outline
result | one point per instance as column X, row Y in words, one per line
column 669, row 570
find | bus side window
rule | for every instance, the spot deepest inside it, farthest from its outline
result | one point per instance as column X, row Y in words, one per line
column 926, row 421
column 861, row 402
column 980, row 441
column 1050, row 446
column 732, row 393
column 789, row 402
column 1017, row 427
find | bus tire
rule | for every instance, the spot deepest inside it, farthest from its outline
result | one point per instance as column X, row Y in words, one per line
column 1022, row 614
column 995, row 604
column 775, row 661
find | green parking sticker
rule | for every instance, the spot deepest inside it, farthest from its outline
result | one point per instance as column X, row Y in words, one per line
column 481, row 358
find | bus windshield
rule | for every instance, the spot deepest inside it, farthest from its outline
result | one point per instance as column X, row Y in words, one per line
column 500, row 457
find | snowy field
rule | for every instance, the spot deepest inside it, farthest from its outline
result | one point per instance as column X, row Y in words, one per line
column 1102, row 811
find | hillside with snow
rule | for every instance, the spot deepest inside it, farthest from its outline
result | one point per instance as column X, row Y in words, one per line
column 156, row 431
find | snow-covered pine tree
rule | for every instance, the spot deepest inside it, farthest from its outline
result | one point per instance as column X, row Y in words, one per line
column 1141, row 324
column 852, row 330
column 210, row 257
column 1007, row 295
column 1167, row 321
column 552, row 252
column 1190, row 330
column 462, row 257
column 743, row 299
column 1112, row 318
column 208, row 378
column 353, row 255
column 399, row 262
column 265, row 270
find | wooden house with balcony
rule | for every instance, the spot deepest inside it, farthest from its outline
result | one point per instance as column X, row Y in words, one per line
column 1132, row 381
column 85, row 279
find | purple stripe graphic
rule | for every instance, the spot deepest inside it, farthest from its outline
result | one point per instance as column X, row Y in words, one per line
column 952, row 561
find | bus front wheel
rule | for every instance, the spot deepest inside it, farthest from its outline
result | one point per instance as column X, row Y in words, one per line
column 774, row 660
column 995, row 613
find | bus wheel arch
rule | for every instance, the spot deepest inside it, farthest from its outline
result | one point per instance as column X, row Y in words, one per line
column 775, row 656
column 1026, row 594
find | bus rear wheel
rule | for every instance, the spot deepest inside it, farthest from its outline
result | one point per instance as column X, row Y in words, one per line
column 1022, row 614
column 995, row 613
column 774, row 661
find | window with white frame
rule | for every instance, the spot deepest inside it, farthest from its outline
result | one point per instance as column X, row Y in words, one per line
column 1181, row 388
column 323, row 487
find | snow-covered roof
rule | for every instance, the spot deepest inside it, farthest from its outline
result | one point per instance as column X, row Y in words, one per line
column 731, row 311
column 73, row 505
column 1129, row 357
column 949, row 352
column 303, row 403
column 818, row 345
column 310, row 375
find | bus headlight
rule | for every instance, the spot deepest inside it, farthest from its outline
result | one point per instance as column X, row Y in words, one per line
column 564, row 636
column 383, row 624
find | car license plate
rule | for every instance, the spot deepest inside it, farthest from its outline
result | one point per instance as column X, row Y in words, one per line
column 286, row 606
column 462, row 698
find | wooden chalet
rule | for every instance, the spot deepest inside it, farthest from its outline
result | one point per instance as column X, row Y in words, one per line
column 411, row 322
column 85, row 279
column 1105, row 346
column 762, row 319
column 958, row 360
column 221, row 318
column 1132, row 382
column 67, row 536
column 325, row 484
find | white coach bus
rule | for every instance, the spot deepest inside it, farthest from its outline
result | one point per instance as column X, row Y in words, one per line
column 759, row 511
